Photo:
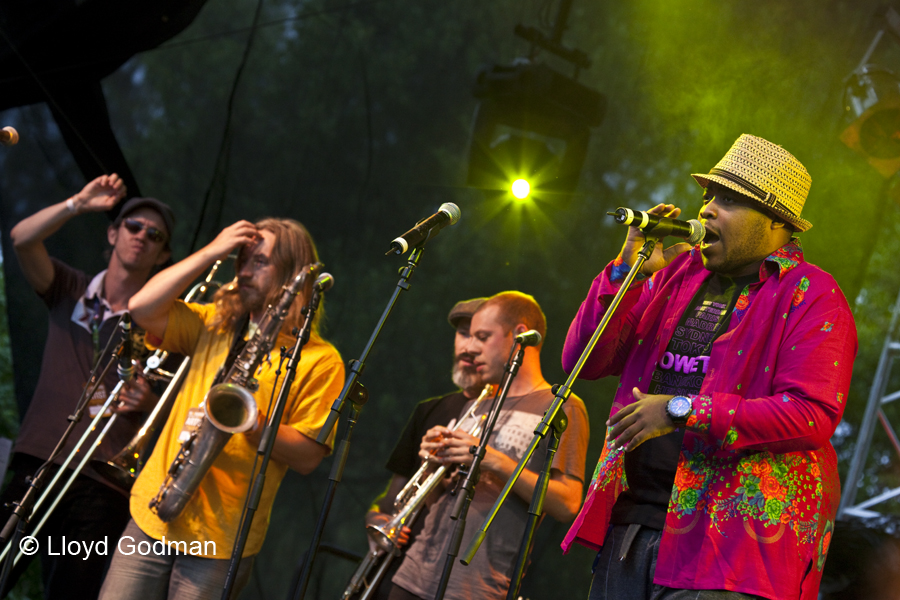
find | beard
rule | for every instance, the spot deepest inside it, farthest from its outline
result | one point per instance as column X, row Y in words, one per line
column 251, row 299
column 466, row 378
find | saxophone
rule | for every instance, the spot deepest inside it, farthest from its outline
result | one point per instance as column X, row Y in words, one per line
column 229, row 408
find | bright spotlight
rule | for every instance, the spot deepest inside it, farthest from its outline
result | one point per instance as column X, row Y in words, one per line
column 531, row 122
column 520, row 189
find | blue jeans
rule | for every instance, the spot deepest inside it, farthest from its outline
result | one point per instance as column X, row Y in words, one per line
column 631, row 577
column 170, row 575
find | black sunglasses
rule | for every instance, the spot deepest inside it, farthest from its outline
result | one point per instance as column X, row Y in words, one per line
column 153, row 234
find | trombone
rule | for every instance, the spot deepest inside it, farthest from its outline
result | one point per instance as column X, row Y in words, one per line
column 152, row 370
column 407, row 506
column 123, row 468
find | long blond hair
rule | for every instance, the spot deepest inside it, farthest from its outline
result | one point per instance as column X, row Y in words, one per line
column 292, row 250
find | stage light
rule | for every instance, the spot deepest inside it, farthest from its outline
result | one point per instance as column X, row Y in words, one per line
column 531, row 123
column 872, row 100
column 872, row 104
column 520, row 189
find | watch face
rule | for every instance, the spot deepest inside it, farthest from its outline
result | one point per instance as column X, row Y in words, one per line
column 679, row 406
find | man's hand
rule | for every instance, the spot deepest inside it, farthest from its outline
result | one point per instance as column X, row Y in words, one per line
column 454, row 447
column 100, row 195
column 232, row 237
column 640, row 421
column 659, row 258
column 135, row 396
column 254, row 435
column 432, row 442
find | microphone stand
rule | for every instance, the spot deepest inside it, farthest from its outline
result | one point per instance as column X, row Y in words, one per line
column 357, row 393
column 357, row 366
column 358, row 398
column 461, row 508
column 15, row 525
column 267, row 441
column 553, row 420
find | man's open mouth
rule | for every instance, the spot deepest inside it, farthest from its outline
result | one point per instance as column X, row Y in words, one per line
column 709, row 239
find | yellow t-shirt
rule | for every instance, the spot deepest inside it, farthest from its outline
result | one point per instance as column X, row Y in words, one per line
column 214, row 511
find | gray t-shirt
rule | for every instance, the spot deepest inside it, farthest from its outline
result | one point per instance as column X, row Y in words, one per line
column 489, row 574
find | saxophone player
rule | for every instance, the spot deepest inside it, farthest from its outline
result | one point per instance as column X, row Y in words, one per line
column 191, row 552
column 481, row 351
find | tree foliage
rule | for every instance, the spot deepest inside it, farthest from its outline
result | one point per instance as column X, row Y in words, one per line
column 354, row 118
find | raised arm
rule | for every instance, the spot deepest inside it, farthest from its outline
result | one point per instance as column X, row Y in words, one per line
column 29, row 234
column 609, row 354
column 150, row 306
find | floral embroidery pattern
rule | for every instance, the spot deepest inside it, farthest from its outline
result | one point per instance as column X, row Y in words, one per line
column 610, row 468
column 730, row 438
column 800, row 293
column 787, row 257
column 619, row 270
column 773, row 489
column 827, row 327
column 689, row 490
column 743, row 303
column 824, row 543
column 701, row 415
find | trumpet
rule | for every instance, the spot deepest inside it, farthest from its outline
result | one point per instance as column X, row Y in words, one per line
column 123, row 469
column 229, row 408
column 407, row 506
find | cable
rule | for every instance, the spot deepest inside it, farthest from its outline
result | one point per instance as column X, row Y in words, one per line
column 300, row 17
column 220, row 170
column 50, row 100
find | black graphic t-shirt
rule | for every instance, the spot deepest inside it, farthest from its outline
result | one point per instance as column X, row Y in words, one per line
column 650, row 468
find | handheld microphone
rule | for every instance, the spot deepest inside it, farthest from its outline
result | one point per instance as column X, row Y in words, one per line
column 693, row 231
column 529, row 338
column 447, row 214
column 9, row 136
column 324, row 282
column 125, row 368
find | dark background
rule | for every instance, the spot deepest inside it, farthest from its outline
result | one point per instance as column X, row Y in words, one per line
column 354, row 118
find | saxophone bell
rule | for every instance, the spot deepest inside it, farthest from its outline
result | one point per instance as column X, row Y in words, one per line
column 229, row 407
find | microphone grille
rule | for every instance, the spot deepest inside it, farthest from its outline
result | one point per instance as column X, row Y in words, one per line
column 324, row 282
column 451, row 210
column 698, row 232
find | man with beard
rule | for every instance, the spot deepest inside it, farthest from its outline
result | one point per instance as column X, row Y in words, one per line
column 404, row 461
column 83, row 316
column 494, row 326
column 718, row 479
column 190, row 553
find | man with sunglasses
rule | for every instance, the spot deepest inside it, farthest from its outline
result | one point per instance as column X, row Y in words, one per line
column 718, row 479
column 83, row 316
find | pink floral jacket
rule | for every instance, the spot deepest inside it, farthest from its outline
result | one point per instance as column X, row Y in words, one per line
column 756, row 489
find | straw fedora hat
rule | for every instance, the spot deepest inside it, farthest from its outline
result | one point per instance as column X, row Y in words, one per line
column 766, row 173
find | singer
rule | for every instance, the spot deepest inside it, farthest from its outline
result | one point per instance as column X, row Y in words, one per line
column 83, row 314
column 481, row 350
column 734, row 360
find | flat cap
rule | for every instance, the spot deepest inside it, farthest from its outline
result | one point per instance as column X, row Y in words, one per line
column 464, row 309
